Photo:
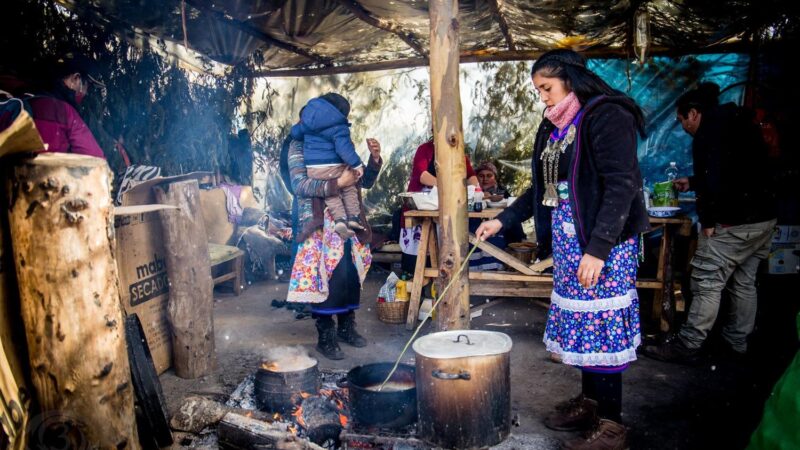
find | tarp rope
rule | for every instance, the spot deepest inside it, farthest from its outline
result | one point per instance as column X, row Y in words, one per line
column 433, row 308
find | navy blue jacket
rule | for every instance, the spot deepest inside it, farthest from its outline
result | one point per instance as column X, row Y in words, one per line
column 605, row 185
column 325, row 133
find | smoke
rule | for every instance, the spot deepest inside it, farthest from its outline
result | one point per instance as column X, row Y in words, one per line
column 287, row 359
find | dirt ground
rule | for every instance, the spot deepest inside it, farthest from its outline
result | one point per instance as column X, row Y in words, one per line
column 715, row 404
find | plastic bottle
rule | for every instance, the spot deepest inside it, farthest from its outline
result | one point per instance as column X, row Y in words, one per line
column 672, row 174
column 672, row 171
column 401, row 290
column 478, row 202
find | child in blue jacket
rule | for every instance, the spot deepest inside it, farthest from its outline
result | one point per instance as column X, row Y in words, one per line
column 328, row 151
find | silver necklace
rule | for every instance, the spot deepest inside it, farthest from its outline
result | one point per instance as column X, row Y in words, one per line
column 550, row 156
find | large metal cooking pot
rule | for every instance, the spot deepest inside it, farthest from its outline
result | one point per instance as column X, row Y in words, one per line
column 464, row 388
column 278, row 390
column 393, row 407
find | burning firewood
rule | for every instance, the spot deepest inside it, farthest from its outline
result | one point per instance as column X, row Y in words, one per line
column 237, row 432
column 320, row 419
column 197, row 413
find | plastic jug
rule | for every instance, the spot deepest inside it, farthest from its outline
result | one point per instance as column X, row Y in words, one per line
column 401, row 290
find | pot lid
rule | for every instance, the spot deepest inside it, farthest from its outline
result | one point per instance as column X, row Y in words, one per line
column 454, row 344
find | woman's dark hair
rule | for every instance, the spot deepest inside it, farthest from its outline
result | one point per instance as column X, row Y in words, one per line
column 570, row 67
column 701, row 98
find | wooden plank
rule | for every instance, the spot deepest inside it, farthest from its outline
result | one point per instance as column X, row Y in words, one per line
column 419, row 276
column 495, row 251
column 488, row 213
column 511, row 289
column 649, row 284
column 541, row 265
column 451, row 168
column 508, row 276
column 487, row 55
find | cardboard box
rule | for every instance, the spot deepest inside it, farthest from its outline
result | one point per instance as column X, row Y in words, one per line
column 141, row 260
column 783, row 260
column 143, row 282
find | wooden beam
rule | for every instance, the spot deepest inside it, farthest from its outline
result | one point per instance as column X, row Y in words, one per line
column 386, row 25
column 497, row 13
column 483, row 56
column 511, row 289
column 496, row 252
column 450, row 163
column 246, row 28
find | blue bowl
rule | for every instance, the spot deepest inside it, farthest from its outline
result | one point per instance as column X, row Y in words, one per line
column 663, row 211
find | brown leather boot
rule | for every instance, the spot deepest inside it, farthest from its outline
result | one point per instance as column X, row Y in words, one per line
column 607, row 435
column 578, row 413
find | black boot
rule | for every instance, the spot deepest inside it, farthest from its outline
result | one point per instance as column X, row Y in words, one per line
column 347, row 330
column 326, row 344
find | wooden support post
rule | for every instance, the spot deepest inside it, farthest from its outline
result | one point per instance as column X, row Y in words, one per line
column 191, row 292
column 62, row 233
column 450, row 165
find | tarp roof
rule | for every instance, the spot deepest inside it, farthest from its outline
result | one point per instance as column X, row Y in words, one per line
column 355, row 35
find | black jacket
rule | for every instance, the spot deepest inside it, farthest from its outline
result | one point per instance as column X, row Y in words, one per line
column 731, row 174
column 605, row 185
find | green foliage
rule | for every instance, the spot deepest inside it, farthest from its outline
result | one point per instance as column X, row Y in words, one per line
column 505, row 120
column 168, row 117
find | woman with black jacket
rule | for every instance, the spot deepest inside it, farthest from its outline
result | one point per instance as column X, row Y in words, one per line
column 587, row 203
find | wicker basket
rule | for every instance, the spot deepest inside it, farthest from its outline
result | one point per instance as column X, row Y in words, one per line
column 392, row 312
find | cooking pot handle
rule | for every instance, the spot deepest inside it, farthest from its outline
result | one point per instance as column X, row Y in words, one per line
column 461, row 375
column 458, row 339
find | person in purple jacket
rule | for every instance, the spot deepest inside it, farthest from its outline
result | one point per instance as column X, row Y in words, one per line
column 328, row 151
column 55, row 113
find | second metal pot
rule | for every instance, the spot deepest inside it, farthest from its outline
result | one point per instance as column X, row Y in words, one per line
column 393, row 407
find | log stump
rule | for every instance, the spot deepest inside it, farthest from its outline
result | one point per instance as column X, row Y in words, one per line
column 191, row 292
column 62, row 234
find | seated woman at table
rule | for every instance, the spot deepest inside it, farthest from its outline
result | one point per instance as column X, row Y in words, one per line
column 490, row 185
column 494, row 192
column 420, row 180
column 587, row 203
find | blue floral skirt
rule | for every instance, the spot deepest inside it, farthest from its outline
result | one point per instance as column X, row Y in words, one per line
column 597, row 327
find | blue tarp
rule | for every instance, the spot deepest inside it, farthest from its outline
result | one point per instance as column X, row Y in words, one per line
column 657, row 85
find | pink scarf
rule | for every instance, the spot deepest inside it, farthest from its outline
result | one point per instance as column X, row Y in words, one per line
column 564, row 111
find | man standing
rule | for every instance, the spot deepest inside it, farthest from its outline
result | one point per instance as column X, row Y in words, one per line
column 735, row 205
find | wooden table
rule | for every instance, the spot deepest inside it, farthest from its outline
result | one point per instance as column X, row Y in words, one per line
column 528, row 280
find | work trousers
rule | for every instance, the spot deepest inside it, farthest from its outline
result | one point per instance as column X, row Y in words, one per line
column 727, row 260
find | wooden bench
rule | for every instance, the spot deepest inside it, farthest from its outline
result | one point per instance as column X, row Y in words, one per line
column 227, row 263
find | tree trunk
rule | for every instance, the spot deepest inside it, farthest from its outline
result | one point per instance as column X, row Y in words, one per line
column 451, row 170
column 62, row 233
column 191, row 292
